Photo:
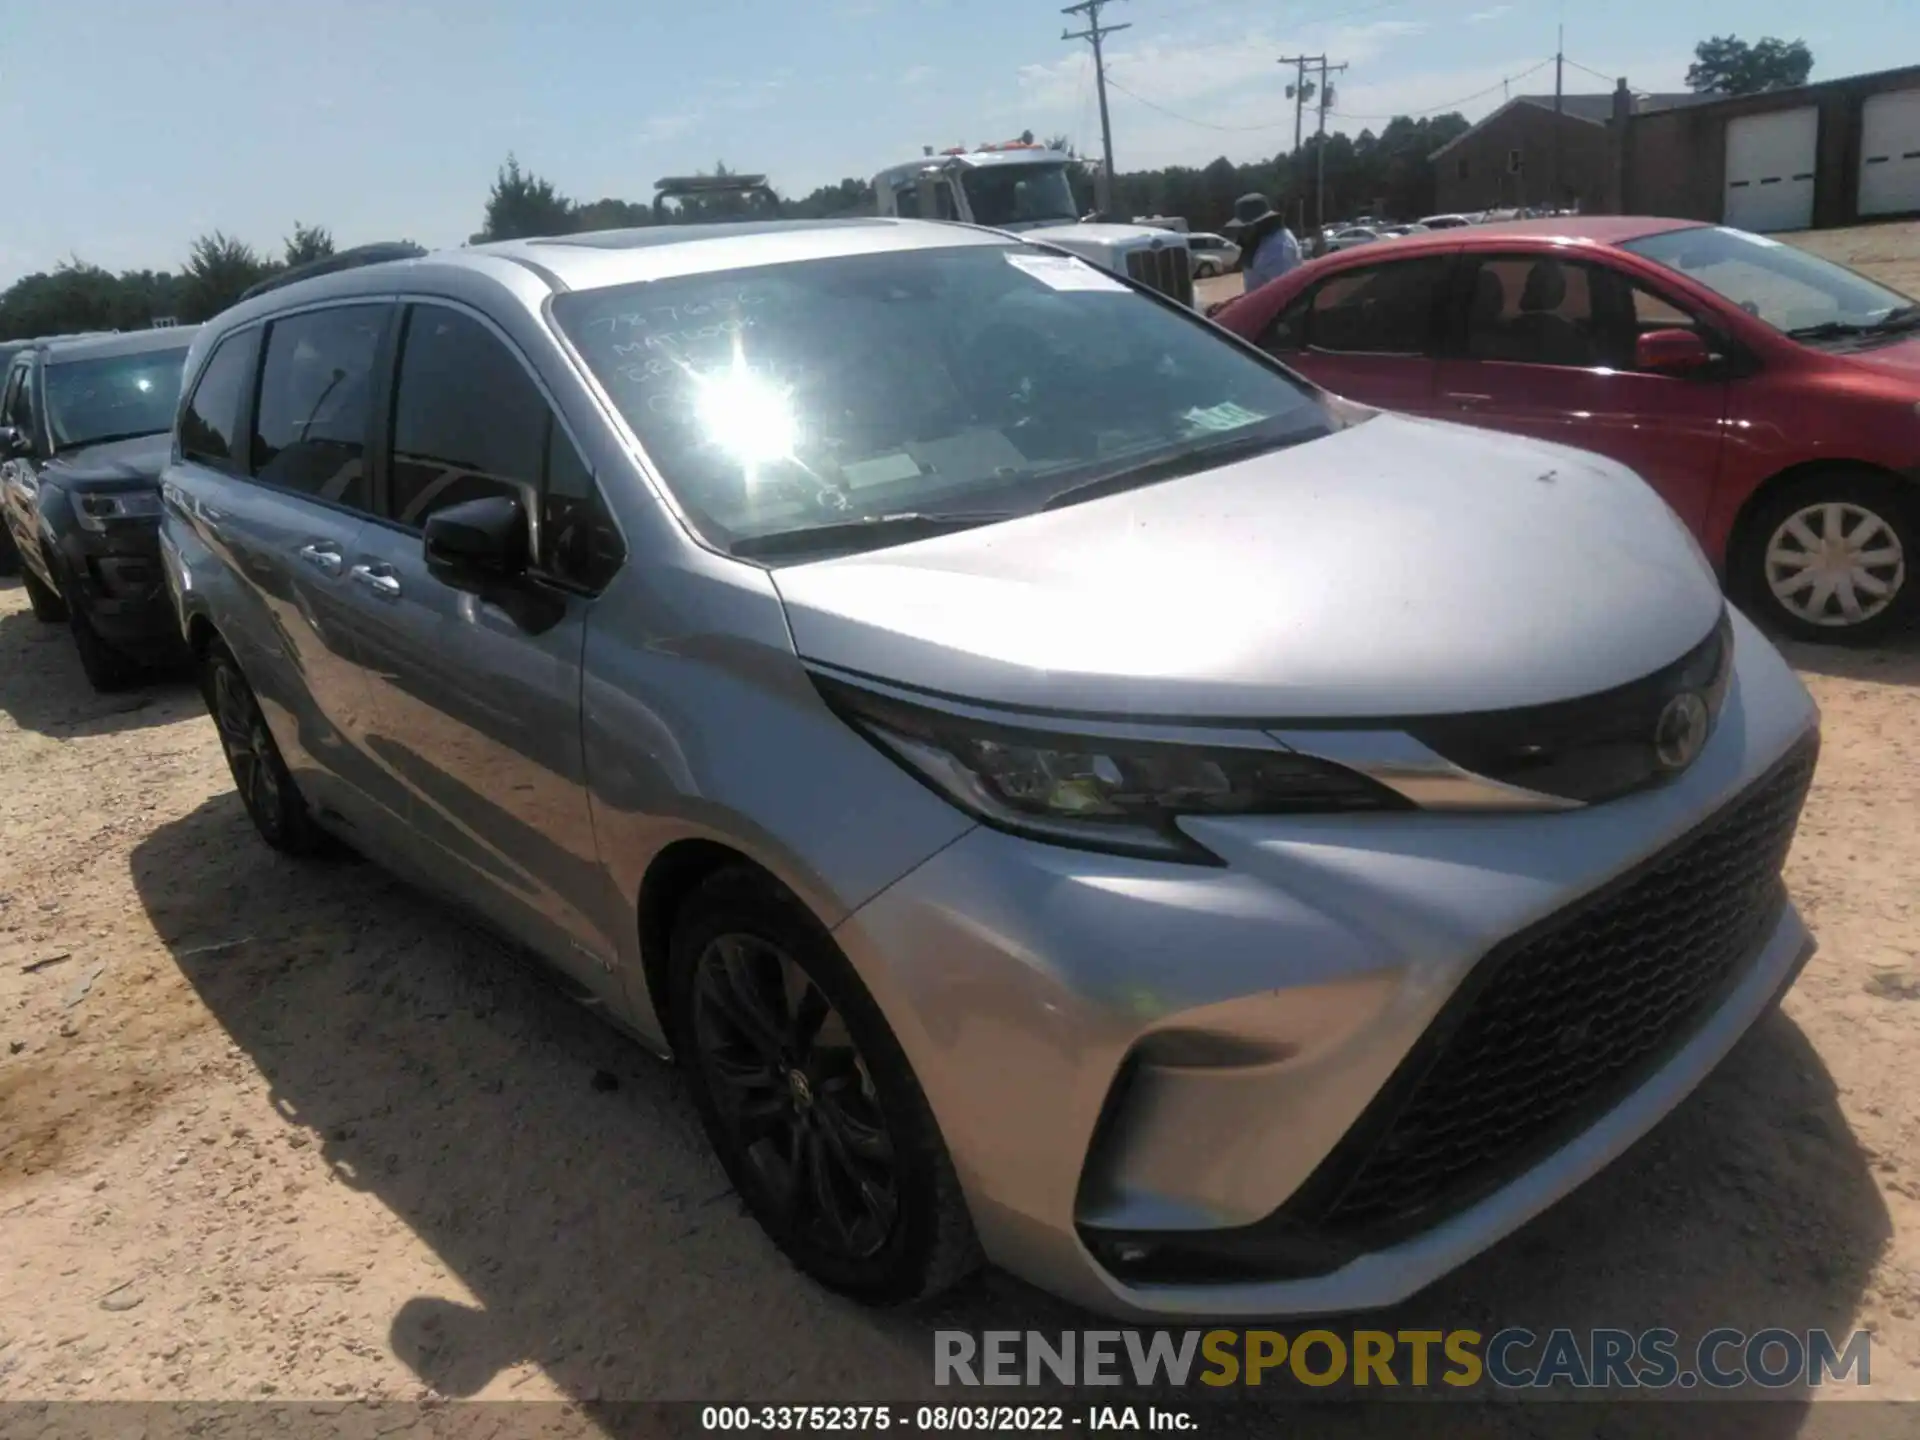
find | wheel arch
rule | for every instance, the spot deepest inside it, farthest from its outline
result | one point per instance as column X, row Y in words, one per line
column 671, row 878
column 1740, row 534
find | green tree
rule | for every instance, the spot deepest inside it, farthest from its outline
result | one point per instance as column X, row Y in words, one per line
column 1728, row 65
column 308, row 243
column 218, row 268
column 522, row 204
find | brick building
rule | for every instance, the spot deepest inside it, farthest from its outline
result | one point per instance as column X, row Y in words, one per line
column 1509, row 158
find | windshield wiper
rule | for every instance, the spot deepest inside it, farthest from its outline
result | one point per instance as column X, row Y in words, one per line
column 1904, row 317
column 1180, row 462
column 892, row 529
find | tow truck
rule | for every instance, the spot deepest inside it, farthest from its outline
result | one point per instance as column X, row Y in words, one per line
column 1023, row 187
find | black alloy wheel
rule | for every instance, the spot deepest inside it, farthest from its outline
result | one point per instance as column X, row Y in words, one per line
column 796, row 1096
column 267, row 790
column 807, row 1099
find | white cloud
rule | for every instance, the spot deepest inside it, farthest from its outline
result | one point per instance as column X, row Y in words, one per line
column 1481, row 17
column 918, row 75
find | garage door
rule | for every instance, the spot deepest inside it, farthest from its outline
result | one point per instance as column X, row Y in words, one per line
column 1890, row 153
column 1770, row 160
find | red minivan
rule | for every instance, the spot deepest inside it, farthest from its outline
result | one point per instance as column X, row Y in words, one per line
column 1772, row 397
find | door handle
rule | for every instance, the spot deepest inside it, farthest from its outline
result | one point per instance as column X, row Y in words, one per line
column 378, row 579
column 1465, row 400
column 324, row 559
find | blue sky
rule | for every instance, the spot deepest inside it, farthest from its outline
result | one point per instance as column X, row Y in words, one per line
column 134, row 127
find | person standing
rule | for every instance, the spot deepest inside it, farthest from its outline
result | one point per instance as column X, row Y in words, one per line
column 1268, row 249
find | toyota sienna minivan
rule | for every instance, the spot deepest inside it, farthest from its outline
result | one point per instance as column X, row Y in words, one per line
column 1069, row 792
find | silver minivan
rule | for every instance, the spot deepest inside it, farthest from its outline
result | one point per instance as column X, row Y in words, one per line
column 1066, row 790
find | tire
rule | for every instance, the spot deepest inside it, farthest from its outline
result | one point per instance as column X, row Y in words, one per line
column 760, row 994
column 1877, row 524
column 267, row 790
column 46, row 602
column 1205, row 270
column 10, row 560
column 107, row 670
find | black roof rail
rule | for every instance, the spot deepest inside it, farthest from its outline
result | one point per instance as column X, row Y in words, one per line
column 378, row 253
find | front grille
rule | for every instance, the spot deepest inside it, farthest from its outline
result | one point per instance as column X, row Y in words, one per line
column 1559, row 1025
column 1165, row 268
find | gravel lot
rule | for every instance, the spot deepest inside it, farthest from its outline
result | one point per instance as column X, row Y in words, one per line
column 272, row 1129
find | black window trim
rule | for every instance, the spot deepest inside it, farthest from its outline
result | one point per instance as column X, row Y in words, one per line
column 387, row 376
column 233, row 467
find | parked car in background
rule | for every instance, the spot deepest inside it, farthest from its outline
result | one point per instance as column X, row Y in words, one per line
column 1447, row 222
column 1395, row 232
column 1212, row 254
column 1768, row 395
column 9, row 555
column 796, row 634
column 86, row 434
column 1350, row 237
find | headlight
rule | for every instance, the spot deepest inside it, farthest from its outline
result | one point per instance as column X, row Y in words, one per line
column 1123, row 796
column 95, row 510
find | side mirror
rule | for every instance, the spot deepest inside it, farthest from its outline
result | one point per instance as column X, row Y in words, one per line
column 1671, row 352
column 479, row 544
column 14, row 442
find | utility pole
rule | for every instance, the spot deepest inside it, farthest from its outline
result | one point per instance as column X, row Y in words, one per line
column 1299, row 90
column 1559, row 60
column 1325, row 97
column 1096, row 32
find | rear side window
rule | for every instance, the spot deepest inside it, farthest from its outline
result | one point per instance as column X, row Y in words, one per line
column 209, row 426
column 310, row 426
column 20, row 400
column 9, row 400
column 1378, row 310
column 469, row 422
column 1535, row 310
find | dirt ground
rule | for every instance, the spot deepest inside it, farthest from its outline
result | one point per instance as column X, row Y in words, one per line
column 274, row 1129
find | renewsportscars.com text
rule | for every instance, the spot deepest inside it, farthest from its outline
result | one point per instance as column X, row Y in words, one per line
column 1509, row 1359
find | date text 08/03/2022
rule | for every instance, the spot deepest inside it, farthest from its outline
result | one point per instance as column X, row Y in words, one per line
column 940, row 1419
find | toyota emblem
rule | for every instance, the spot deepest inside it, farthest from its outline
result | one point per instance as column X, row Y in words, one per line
column 1680, row 731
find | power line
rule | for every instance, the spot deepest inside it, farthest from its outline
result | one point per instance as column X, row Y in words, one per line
column 1451, row 104
column 1591, row 71
column 1188, row 119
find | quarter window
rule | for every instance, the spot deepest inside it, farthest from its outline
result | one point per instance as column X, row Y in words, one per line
column 209, row 426
column 1379, row 310
column 310, row 426
column 20, row 402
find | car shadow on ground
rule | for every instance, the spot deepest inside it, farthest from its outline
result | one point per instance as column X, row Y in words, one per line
column 1894, row 662
column 560, row 1173
column 43, row 689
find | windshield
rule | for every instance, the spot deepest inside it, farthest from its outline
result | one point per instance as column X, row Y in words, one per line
column 980, row 378
column 1784, row 286
column 1007, row 195
column 113, row 398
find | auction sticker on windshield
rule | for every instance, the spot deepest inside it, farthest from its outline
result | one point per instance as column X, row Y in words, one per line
column 1063, row 272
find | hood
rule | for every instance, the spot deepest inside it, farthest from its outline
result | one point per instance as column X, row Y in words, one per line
column 1399, row 567
column 116, row 465
column 1899, row 361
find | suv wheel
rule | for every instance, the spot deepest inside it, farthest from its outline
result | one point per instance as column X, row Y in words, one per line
column 1205, row 270
column 808, row 1100
column 273, row 802
column 1833, row 557
column 46, row 602
column 107, row 670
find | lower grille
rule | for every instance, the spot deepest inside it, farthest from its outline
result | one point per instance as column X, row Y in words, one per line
column 1561, row 1024
column 1166, row 268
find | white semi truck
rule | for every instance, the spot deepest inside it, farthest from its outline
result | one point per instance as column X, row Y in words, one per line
column 1023, row 187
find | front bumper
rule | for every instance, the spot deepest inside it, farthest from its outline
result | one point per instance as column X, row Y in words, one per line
column 118, row 578
column 1257, row 1011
